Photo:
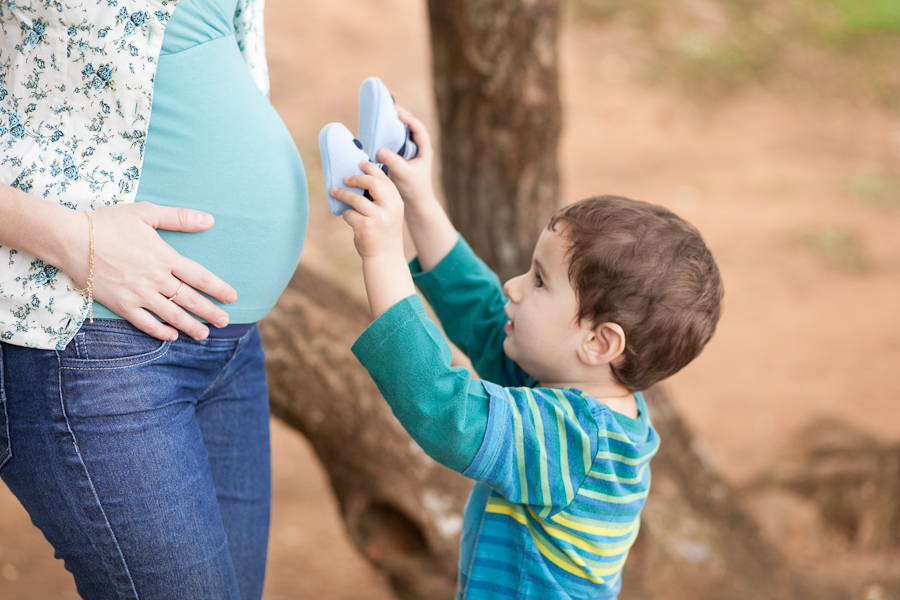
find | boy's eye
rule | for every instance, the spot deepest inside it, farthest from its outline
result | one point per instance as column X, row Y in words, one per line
column 538, row 281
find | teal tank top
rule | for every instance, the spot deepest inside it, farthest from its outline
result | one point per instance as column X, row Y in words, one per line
column 215, row 144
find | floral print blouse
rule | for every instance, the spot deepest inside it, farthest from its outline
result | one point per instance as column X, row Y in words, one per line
column 76, row 87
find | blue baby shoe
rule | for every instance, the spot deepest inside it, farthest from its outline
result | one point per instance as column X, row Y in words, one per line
column 379, row 125
column 341, row 155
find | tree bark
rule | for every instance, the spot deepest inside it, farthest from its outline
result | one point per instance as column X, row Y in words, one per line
column 496, row 85
column 852, row 478
column 696, row 542
column 402, row 510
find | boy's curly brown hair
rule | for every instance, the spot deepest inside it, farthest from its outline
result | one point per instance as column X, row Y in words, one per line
column 645, row 268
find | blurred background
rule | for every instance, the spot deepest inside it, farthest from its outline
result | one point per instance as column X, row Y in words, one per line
column 771, row 125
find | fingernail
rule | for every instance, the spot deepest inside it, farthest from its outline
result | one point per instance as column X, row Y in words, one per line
column 204, row 219
column 383, row 153
column 222, row 322
column 231, row 298
column 202, row 335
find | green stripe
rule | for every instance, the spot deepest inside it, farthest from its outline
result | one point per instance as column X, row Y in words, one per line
column 539, row 432
column 616, row 479
column 613, row 435
column 585, row 440
column 625, row 460
column 564, row 455
column 567, row 406
column 520, row 447
column 612, row 499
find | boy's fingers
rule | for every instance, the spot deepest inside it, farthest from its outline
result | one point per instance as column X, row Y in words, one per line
column 360, row 181
column 352, row 199
column 420, row 133
column 373, row 170
column 393, row 160
column 352, row 218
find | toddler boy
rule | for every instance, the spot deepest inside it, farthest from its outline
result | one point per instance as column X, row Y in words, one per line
column 620, row 295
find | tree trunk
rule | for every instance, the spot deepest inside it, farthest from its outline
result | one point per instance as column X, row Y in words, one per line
column 402, row 510
column 495, row 80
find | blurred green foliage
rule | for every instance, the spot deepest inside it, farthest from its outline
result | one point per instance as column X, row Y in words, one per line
column 878, row 190
column 870, row 16
column 833, row 47
column 839, row 249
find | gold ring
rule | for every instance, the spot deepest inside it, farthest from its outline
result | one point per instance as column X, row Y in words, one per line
column 172, row 297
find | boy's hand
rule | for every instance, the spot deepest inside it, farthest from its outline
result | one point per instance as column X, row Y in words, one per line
column 432, row 232
column 378, row 235
column 378, row 223
column 412, row 177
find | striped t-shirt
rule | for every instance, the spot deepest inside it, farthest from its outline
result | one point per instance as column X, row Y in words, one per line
column 561, row 479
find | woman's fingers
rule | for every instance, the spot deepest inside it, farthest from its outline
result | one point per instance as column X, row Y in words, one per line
column 175, row 218
column 143, row 320
column 195, row 275
column 196, row 303
column 178, row 317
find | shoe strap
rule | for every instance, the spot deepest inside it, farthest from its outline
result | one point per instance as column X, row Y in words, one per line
column 409, row 149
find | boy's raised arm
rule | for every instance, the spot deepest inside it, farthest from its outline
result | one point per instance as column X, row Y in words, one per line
column 432, row 232
column 463, row 291
column 441, row 407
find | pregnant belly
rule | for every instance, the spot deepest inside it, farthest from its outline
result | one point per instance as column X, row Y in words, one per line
column 216, row 144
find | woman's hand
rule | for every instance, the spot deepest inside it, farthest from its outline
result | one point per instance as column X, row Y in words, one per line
column 378, row 235
column 136, row 272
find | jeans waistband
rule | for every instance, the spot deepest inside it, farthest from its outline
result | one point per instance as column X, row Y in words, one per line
column 230, row 331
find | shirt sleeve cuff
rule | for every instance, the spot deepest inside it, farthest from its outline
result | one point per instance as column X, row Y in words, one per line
column 395, row 317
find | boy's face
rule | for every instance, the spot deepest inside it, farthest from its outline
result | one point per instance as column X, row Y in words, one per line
column 542, row 335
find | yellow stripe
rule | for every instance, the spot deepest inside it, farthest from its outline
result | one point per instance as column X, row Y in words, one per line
column 564, row 456
column 601, row 549
column 566, row 559
column 612, row 499
column 585, row 440
column 567, row 406
column 520, row 447
column 591, row 527
column 514, row 511
column 614, row 435
column 539, row 432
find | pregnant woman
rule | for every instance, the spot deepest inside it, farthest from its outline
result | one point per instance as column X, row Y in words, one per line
column 139, row 442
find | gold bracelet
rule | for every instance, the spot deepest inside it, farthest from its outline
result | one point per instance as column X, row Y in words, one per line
column 88, row 289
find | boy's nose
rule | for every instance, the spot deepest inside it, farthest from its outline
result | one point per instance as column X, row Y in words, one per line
column 511, row 289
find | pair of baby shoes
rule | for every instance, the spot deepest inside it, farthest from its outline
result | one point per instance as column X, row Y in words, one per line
column 379, row 127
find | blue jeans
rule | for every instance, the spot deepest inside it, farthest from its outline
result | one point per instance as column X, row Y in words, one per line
column 146, row 464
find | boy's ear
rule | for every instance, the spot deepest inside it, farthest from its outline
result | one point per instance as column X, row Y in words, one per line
column 602, row 345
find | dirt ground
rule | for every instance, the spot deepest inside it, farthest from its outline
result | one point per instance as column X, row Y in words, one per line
column 811, row 325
